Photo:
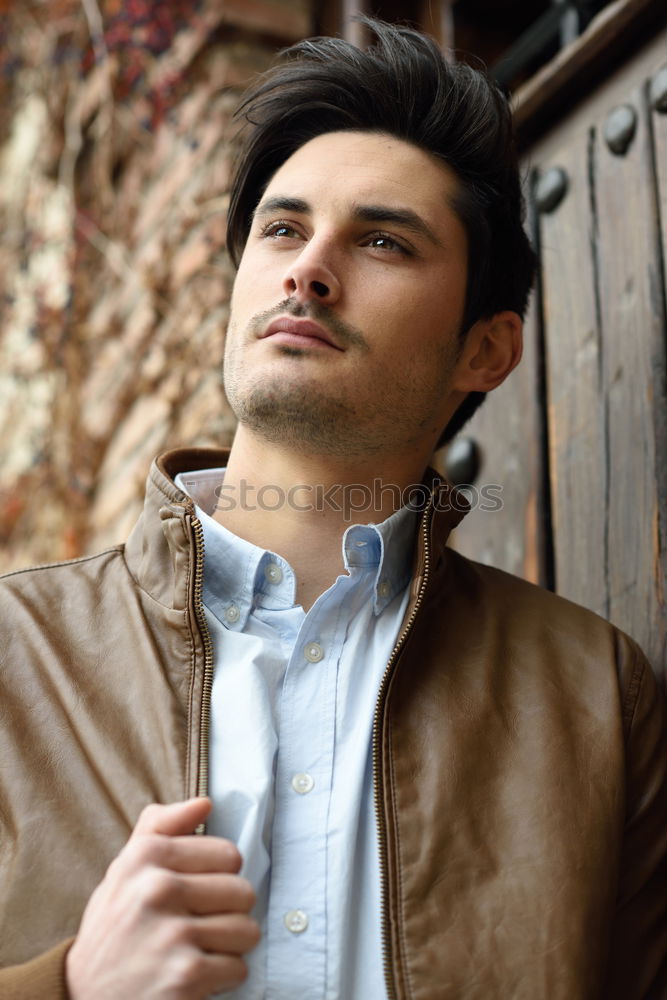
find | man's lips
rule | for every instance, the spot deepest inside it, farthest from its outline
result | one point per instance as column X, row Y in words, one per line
column 294, row 332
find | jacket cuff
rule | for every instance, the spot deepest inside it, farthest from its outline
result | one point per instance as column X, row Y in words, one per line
column 39, row 978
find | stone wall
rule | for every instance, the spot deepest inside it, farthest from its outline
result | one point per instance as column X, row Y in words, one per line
column 116, row 144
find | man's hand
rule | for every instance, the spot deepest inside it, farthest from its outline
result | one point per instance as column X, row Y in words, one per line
column 170, row 919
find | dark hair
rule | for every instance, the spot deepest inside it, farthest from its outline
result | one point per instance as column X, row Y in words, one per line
column 402, row 86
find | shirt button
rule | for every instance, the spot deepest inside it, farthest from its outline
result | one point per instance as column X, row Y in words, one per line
column 232, row 614
column 302, row 783
column 273, row 573
column 295, row 921
column 313, row 652
column 383, row 589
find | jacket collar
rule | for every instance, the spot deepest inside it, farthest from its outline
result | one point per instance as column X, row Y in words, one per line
column 160, row 551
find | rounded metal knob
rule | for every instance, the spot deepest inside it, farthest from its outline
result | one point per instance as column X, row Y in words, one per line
column 620, row 128
column 463, row 461
column 550, row 189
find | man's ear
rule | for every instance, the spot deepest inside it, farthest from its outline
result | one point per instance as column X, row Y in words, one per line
column 492, row 349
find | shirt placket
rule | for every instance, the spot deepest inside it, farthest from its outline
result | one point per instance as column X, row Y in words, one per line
column 296, row 925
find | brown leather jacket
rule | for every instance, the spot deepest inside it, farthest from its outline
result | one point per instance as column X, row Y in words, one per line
column 520, row 756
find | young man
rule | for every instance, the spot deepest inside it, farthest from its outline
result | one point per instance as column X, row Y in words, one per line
column 427, row 779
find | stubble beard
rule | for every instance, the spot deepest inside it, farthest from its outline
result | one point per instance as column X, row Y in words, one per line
column 298, row 415
column 311, row 420
column 294, row 412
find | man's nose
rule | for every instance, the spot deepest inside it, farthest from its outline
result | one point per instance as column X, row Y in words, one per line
column 311, row 277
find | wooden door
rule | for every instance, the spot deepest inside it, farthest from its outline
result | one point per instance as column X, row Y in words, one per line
column 578, row 435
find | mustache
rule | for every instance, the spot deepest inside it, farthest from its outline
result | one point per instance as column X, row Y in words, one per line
column 346, row 334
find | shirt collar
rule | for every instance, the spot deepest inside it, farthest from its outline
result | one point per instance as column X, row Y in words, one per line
column 386, row 547
column 237, row 573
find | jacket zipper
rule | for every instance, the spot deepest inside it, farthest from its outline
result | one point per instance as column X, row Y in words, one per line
column 379, row 798
column 205, row 719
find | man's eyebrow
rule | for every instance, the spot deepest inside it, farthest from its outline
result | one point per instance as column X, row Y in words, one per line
column 282, row 204
column 404, row 217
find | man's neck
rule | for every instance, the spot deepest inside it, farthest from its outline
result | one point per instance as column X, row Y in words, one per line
column 299, row 505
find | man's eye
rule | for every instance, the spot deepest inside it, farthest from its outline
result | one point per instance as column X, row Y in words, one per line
column 382, row 241
column 279, row 230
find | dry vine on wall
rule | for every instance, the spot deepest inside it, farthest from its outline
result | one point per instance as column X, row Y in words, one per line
column 115, row 154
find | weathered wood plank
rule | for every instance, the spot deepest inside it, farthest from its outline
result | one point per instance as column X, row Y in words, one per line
column 576, row 416
column 289, row 21
column 659, row 133
column 560, row 82
column 591, row 104
column 633, row 369
column 659, row 137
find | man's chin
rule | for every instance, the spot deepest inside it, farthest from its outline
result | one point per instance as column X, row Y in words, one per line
column 303, row 419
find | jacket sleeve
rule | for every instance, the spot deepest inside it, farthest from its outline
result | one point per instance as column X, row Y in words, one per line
column 42, row 978
column 637, row 968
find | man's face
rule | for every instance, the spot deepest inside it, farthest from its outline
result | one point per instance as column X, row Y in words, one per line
column 345, row 316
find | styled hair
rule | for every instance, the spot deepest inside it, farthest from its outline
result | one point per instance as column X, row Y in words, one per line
column 402, row 86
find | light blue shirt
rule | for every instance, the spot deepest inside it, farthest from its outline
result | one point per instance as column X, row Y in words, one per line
column 291, row 778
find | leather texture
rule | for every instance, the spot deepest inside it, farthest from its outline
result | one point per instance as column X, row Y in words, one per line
column 522, row 769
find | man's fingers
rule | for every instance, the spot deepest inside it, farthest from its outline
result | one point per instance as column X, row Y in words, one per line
column 230, row 934
column 204, row 894
column 199, row 854
column 170, row 917
column 175, row 820
column 223, row 972
column 184, row 855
